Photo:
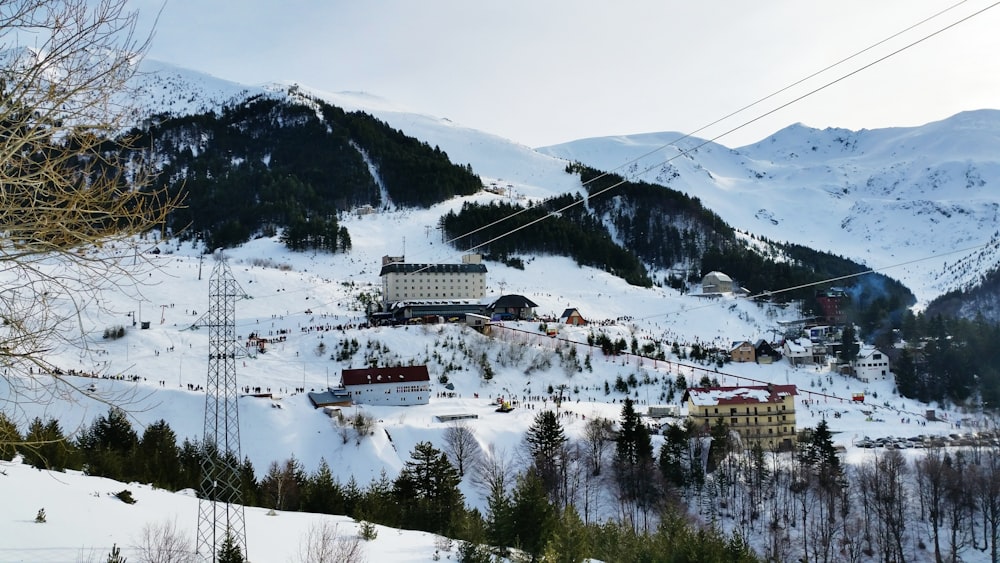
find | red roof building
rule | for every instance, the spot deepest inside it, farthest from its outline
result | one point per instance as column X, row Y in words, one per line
column 759, row 413
column 401, row 386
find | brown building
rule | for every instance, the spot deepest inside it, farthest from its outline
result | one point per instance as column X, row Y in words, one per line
column 742, row 351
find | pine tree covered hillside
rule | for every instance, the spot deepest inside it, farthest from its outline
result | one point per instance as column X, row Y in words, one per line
column 269, row 163
column 648, row 234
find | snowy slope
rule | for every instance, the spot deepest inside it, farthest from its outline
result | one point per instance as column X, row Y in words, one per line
column 767, row 188
column 910, row 200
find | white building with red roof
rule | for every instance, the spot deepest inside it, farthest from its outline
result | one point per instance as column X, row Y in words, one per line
column 388, row 386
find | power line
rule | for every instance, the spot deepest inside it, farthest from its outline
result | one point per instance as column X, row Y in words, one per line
column 770, row 293
column 733, row 113
column 685, row 152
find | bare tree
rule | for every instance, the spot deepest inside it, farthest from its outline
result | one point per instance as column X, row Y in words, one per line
column 882, row 481
column 70, row 190
column 461, row 445
column 597, row 438
column 493, row 472
column 162, row 543
column 931, row 472
column 986, row 490
column 323, row 544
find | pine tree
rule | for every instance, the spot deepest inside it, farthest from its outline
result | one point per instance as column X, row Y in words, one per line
column 532, row 515
column 116, row 555
column 158, row 456
column 427, row 490
column 545, row 440
column 230, row 552
column 9, row 437
column 322, row 492
column 48, row 448
column 108, row 446
column 673, row 454
column 849, row 346
column 634, row 463
column 819, row 452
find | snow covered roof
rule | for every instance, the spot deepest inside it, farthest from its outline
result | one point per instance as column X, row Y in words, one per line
column 708, row 396
column 718, row 276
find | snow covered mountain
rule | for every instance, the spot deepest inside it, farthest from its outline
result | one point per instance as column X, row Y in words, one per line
column 887, row 197
column 912, row 202
column 916, row 203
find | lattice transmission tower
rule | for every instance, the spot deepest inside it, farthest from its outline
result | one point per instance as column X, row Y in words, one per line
column 220, row 507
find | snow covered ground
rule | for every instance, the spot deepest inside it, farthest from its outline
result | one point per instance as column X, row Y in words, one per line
column 309, row 296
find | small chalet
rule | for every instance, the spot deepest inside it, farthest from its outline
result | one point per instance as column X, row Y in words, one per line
column 398, row 386
column 742, row 351
column 512, row 308
column 798, row 351
column 764, row 414
column 765, row 353
column 572, row 317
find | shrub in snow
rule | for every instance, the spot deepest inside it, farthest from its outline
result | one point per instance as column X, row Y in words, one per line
column 125, row 496
column 40, row 517
column 367, row 531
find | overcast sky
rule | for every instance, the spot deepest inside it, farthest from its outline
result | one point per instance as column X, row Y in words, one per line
column 545, row 72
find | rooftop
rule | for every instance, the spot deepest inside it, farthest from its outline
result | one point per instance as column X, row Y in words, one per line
column 708, row 396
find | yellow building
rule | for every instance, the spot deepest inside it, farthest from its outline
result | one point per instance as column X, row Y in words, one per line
column 763, row 413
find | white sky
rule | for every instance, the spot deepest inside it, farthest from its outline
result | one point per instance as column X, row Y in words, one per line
column 548, row 72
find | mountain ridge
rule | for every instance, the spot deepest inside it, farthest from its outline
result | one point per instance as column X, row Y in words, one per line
column 884, row 193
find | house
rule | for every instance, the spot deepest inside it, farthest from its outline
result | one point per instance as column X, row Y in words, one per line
column 331, row 398
column 402, row 281
column 765, row 353
column 398, row 386
column 512, row 308
column 871, row 364
column 763, row 414
column 478, row 323
column 743, row 351
column 572, row 317
column 799, row 351
column 716, row 282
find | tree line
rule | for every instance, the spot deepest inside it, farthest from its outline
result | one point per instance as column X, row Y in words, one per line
column 542, row 229
column 546, row 510
column 948, row 360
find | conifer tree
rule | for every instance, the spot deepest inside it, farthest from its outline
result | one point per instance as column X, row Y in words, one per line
column 157, row 456
column 634, row 464
column 545, row 439
column 116, row 555
column 230, row 551
column 323, row 493
column 427, row 490
column 10, row 438
column 533, row 517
